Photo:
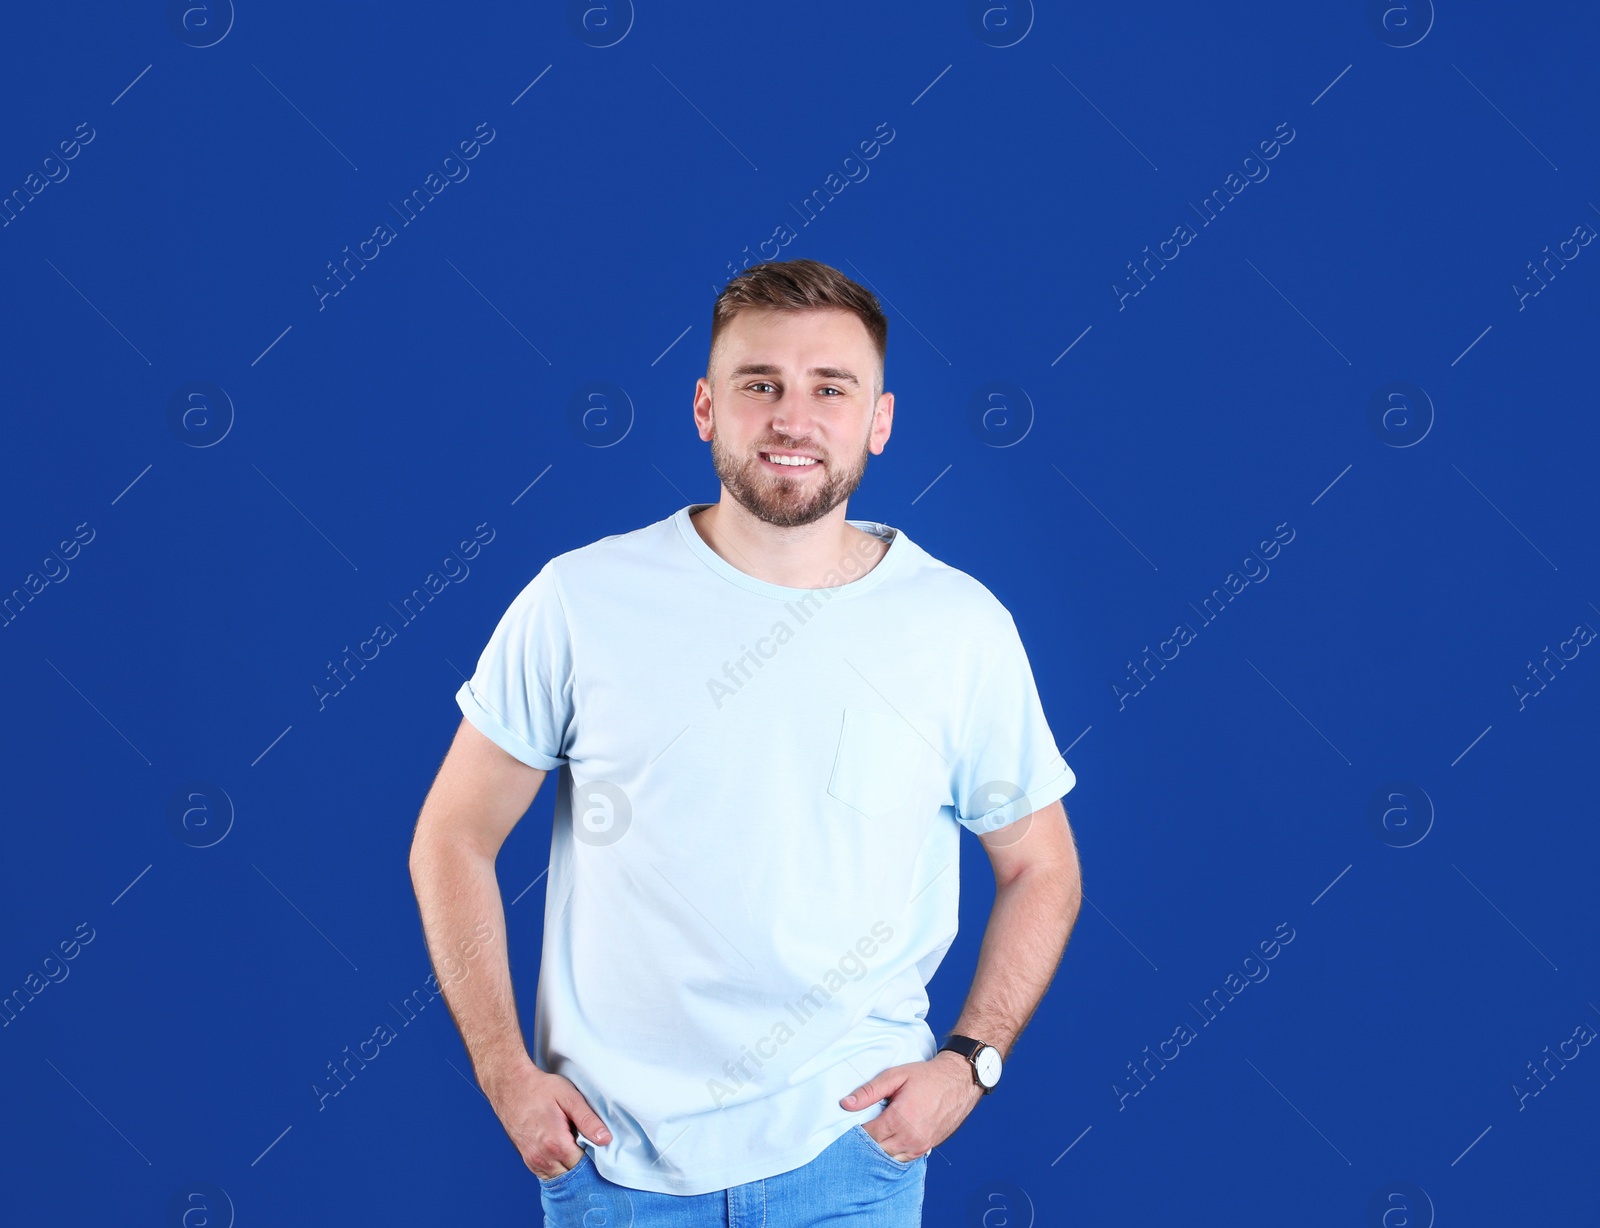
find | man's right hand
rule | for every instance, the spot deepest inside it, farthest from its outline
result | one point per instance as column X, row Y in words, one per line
column 543, row 1113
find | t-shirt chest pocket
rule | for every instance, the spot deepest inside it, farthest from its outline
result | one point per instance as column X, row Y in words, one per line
column 881, row 763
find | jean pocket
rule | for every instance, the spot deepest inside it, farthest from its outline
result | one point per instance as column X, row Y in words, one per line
column 880, row 763
column 550, row 1183
column 877, row 1150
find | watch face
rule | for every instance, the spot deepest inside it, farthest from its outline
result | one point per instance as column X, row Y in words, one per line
column 988, row 1064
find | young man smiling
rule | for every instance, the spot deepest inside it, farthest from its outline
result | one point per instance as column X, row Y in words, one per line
column 710, row 860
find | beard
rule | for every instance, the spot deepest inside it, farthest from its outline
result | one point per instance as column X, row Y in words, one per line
column 781, row 500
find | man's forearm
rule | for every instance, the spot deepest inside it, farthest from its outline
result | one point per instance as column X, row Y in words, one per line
column 464, row 923
column 1022, row 947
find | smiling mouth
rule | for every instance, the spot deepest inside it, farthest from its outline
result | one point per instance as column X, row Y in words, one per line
column 788, row 464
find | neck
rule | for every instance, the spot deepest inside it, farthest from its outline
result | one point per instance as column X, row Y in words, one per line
column 823, row 554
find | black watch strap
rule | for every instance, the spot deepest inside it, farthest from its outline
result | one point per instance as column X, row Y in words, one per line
column 968, row 1048
column 964, row 1045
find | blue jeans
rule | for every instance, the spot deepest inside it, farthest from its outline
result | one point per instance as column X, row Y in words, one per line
column 853, row 1182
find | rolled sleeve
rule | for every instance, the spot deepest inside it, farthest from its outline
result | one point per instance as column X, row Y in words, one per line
column 492, row 727
column 521, row 695
column 1009, row 766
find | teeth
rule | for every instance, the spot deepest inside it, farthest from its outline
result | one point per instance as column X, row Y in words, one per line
column 793, row 461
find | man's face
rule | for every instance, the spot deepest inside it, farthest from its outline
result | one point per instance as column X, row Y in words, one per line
column 799, row 384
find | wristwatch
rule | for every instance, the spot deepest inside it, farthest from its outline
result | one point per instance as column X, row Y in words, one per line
column 984, row 1059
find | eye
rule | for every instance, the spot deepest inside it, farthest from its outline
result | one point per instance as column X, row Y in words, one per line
column 831, row 388
column 768, row 383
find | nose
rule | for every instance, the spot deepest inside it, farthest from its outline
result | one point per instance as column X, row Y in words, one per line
column 792, row 415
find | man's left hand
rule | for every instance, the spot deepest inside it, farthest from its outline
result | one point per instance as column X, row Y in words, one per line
column 927, row 1102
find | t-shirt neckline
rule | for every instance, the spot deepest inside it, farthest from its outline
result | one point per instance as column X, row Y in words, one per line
column 851, row 588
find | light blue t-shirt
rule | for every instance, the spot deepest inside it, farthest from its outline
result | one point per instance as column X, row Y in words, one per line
column 754, row 868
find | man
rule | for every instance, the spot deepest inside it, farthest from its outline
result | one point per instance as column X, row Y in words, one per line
column 770, row 725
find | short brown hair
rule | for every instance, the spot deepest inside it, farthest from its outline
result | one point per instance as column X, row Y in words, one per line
column 798, row 285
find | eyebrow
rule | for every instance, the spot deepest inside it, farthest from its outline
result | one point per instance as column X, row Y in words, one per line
column 767, row 368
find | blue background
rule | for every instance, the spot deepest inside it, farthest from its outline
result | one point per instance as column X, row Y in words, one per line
column 1436, row 953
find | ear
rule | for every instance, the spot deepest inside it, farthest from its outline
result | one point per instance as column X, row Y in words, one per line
column 882, row 423
column 702, row 409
